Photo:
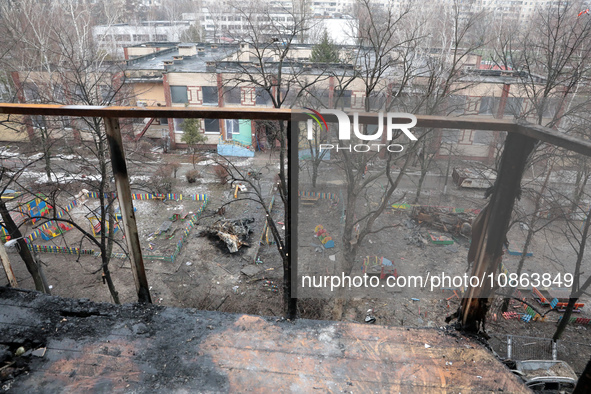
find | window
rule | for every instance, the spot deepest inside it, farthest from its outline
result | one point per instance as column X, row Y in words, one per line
column 457, row 104
column 178, row 125
column 342, row 98
column 289, row 96
column 550, row 107
column 232, row 95
column 450, row 136
column 486, row 106
column 210, row 95
column 178, row 94
column 107, row 93
column 212, row 126
column 263, row 97
column 163, row 121
column 482, row 137
column 513, row 106
column 232, row 126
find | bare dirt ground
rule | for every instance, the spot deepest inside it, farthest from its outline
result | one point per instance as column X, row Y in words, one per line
column 206, row 276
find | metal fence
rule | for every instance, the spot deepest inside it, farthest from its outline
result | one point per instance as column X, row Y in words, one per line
column 516, row 347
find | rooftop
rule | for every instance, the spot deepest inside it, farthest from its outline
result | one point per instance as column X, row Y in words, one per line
column 196, row 63
column 147, row 348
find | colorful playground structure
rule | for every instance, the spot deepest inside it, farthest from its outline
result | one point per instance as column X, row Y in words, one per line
column 50, row 229
column 324, row 237
column 4, row 236
column 384, row 266
column 94, row 217
column 53, row 229
column 34, row 209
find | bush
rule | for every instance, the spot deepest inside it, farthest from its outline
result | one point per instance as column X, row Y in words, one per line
column 192, row 176
column 221, row 173
column 164, row 171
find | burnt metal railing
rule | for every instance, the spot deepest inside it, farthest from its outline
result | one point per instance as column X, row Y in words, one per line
column 520, row 142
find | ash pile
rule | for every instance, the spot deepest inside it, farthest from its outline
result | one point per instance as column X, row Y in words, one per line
column 233, row 233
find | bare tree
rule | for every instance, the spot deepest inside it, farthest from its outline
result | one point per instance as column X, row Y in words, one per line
column 59, row 56
column 264, row 66
column 10, row 177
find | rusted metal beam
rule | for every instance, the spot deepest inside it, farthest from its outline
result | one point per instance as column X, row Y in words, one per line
column 293, row 169
column 146, row 127
column 125, row 203
column 543, row 134
column 488, row 243
column 147, row 112
column 553, row 137
column 7, row 267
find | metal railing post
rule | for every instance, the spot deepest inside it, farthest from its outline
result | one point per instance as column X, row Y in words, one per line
column 127, row 214
column 292, row 208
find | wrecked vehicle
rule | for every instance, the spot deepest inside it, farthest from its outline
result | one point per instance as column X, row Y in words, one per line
column 233, row 232
column 546, row 376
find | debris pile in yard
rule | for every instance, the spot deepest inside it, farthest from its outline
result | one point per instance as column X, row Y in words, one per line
column 233, row 232
column 455, row 223
column 416, row 238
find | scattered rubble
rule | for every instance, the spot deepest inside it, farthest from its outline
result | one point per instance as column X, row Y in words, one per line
column 454, row 223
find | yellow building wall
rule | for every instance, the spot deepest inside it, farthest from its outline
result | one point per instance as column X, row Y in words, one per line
column 149, row 94
column 13, row 131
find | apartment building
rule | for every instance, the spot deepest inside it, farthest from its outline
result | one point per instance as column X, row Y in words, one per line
column 113, row 39
column 195, row 74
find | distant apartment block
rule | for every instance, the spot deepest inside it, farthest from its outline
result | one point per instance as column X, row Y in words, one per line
column 113, row 38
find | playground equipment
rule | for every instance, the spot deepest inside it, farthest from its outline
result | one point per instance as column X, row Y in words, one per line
column 555, row 298
column 34, row 209
column 118, row 213
column 52, row 229
column 385, row 266
column 324, row 237
column 242, row 188
column 4, row 236
column 439, row 239
column 94, row 217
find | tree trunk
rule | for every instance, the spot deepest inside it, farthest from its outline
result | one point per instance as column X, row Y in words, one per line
column 420, row 186
column 24, row 252
column 350, row 252
column 46, row 153
column 314, row 173
column 107, row 220
column 106, row 256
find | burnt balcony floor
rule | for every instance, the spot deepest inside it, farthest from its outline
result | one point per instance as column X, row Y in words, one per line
column 104, row 348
